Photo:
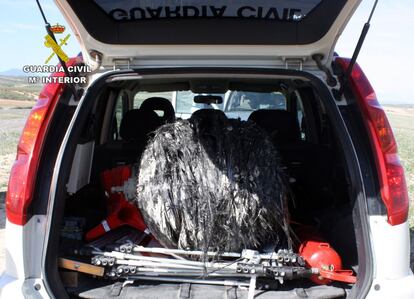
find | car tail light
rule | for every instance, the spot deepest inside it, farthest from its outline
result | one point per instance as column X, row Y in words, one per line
column 390, row 171
column 24, row 171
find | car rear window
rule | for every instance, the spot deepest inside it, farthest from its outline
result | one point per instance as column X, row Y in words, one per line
column 251, row 101
column 233, row 101
column 184, row 102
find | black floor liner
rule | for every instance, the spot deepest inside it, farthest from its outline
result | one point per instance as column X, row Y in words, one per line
column 191, row 291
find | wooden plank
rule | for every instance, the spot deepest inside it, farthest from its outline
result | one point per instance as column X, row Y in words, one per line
column 81, row 267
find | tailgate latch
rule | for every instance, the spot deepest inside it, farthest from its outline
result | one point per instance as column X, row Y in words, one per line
column 122, row 64
column 294, row 63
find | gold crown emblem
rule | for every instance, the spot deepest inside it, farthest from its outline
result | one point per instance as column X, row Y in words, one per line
column 58, row 29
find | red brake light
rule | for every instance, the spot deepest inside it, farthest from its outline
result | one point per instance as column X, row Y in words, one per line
column 24, row 170
column 390, row 171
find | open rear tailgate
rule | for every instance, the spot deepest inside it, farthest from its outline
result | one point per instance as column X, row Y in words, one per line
column 190, row 32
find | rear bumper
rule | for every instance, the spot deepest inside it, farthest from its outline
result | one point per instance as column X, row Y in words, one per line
column 391, row 254
column 23, row 252
column 402, row 288
column 11, row 287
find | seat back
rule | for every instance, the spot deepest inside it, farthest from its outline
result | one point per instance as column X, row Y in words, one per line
column 280, row 124
column 135, row 130
column 160, row 104
column 309, row 164
column 137, row 124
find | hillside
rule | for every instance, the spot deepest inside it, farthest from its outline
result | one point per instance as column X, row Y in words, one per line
column 18, row 88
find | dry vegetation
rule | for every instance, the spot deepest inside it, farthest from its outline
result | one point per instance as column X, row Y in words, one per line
column 17, row 88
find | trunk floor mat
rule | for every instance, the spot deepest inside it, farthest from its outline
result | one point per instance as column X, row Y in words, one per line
column 194, row 291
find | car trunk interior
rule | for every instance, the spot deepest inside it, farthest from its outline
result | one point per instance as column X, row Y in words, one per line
column 112, row 133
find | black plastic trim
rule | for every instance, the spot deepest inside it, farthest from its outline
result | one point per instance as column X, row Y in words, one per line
column 224, row 31
column 54, row 136
column 353, row 119
column 52, row 278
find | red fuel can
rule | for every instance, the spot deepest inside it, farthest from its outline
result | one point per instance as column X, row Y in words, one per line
column 322, row 256
column 318, row 253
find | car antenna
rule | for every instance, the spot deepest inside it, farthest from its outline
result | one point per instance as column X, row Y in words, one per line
column 356, row 51
column 62, row 63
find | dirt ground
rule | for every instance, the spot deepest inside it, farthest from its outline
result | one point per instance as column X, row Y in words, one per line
column 15, row 103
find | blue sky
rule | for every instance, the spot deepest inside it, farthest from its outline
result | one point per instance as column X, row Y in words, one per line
column 386, row 56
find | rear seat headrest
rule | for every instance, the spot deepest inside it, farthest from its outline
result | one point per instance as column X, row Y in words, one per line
column 280, row 124
column 158, row 103
column 208, row 113
column 208, row 119
column 138, row 123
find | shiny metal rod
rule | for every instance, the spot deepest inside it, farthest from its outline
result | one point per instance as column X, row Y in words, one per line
column 185, row 252
column 230, row 283
column 164, row 261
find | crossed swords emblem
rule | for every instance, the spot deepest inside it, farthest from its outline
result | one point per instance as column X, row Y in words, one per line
column 50, row 43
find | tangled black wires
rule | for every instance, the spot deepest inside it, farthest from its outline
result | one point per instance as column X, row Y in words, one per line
column 210, row 183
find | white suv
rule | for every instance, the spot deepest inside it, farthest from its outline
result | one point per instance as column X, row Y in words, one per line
column 337, row 147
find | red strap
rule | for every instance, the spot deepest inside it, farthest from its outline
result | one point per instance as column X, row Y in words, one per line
column 339, row 275
column 115, row 177
column 127, row 214
column 120, row 211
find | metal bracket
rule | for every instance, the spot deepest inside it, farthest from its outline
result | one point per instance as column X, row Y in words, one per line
column 294, row 63
column 330, row 79
column 122, row 64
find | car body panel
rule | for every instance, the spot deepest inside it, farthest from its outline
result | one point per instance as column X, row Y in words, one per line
column 205, row 50
column 391, row 245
